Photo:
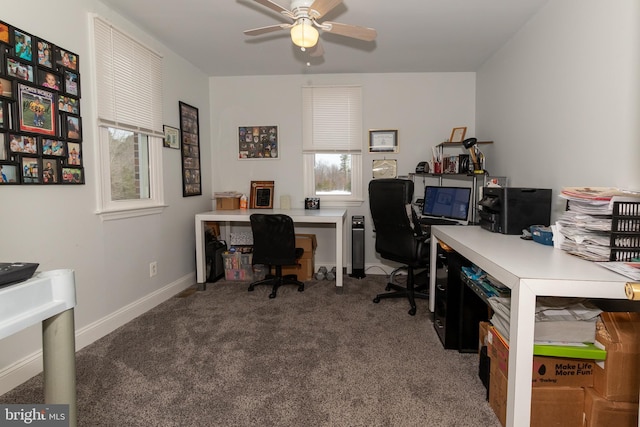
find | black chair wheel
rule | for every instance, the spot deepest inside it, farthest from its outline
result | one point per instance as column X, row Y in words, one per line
column 388, row 287
column 251, row 288
column 376, row 299
column 301, row 288
column 412, row 311
column 272, row 295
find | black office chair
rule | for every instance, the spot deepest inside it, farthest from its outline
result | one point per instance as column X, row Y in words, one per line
column 399, row 236
column 274, row 244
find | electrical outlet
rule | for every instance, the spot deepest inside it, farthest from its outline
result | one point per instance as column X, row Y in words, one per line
column 153, row 268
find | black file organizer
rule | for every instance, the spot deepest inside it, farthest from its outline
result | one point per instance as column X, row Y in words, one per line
column 625, row 231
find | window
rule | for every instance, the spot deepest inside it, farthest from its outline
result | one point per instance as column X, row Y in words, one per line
column 128, row 76
column 332, row 144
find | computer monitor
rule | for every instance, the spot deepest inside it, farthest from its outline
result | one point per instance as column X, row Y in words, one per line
column 450, row 203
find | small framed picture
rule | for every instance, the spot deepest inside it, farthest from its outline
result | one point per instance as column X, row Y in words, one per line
column 6, row 88
column 69, row 105
column 23, row 47
column 73, row 128
column 19, row 70
column 171, row 137
column 71, row 83
column 3, row 121
column 50, row 171
column 37, row 109
column 383, row 141
column 30, row 170
column 67, row 59
column 48, row 79
column 3, row 146
column 457, row 134
column 9, row 174
column 4, row 33
column 52, row 147
column 74, row 158
column 22, row 144
column 45, row 53
column 261, row 196
column 72, row 175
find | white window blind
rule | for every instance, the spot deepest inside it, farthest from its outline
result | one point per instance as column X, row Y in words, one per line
column 133, row 100
column 332, row 118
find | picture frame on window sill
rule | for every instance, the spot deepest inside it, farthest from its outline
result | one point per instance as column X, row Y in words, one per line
column 383, row 141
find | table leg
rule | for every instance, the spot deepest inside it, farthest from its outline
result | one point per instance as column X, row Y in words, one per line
column 340, row 239
column 59, row 359
column 201, row 262
column 433, row 267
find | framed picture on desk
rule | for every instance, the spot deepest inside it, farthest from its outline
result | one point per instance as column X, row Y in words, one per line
column 261, row 196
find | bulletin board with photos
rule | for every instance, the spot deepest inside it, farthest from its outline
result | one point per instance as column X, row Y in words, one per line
column 40, row 122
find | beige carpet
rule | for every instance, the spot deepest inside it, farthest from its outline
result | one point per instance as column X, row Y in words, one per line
column 227, row 357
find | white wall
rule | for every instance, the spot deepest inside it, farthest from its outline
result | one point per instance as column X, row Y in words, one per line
column 562, row 98
column 423, row 107
column 57, row 225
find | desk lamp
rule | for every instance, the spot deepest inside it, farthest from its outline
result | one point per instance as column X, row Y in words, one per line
column 469, row 144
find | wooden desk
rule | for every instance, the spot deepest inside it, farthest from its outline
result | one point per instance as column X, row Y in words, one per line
column 299, row 216
column 529, row 269
column 48, row 297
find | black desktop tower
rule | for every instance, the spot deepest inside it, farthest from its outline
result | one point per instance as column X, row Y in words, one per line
column 357, row 246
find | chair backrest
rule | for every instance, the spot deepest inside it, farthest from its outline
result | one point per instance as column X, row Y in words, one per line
column 274, row 239
column 391, row 212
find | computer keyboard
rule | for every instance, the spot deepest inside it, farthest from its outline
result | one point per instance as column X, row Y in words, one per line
column 15, row 272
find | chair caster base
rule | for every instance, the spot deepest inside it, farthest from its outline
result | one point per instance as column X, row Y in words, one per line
column 376, row 300
column 412, row 311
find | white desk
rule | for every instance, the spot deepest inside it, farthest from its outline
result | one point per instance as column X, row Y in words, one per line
column 47, row 297
column 530, row 270
column 299, row 216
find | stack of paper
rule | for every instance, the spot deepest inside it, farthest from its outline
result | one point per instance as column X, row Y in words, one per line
column 583, row 230
column 558, row 320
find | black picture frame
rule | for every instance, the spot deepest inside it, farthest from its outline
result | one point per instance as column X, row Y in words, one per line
column 4, row 151
column 68, row 104
column 23, row 45
column 23, row 144
column 30, row 169
column 190, row 138
column 74, row 154
column 50, row 170
column 19, row 70
column 9, row 174
column 72, row 175
column 71, row 83
column 67, row 59
column 45, row 52
column 5, row 33
column 48, row 79
column 4, row 115
column 7, row 88
column 72, row 127
column 52, row 147
column 37, row 110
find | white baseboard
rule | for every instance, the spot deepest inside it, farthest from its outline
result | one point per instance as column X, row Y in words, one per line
column 31, row 365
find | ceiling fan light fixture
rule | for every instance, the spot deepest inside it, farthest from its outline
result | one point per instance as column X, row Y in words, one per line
column 304, row 34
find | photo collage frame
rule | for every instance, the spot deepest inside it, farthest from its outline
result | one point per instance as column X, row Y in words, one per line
column 40, row 122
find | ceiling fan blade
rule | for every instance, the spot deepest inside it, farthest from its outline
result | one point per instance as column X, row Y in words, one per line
column 273, row 6
column 317, row 50
column 321, row 7
column 353, row 31
column 265, row 30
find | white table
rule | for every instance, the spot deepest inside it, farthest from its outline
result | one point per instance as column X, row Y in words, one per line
column 299, row 216
column 529, row 269
column 48, row 297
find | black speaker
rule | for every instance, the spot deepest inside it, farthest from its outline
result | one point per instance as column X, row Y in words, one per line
column 213, row 253
column 357, row 246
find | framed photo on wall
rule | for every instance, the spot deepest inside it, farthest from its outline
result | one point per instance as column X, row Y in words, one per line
column 258, row 142
column 383, row 141
column 189, row 124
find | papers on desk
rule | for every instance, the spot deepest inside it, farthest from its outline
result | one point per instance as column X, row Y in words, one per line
column 628, row 269
column 561, row 320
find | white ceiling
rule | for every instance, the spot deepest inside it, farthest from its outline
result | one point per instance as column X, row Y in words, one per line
column 413, row 35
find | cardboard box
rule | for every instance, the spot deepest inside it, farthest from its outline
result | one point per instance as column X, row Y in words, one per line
column 304, row 269
column 546, row 371
column 308, row 243
column 600, row 412
column 550, row 406
column 618, row 376
column 483, row 332
column 227, row 203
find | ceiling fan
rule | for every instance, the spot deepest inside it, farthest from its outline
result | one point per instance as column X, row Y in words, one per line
column 304, row 15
